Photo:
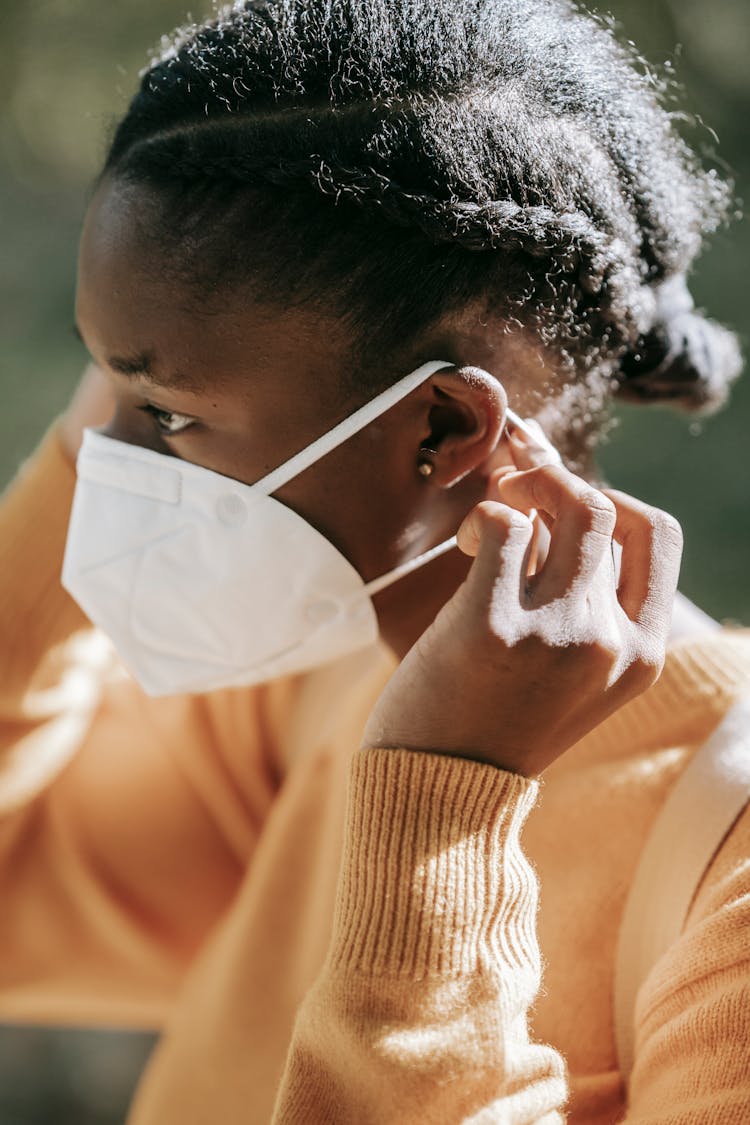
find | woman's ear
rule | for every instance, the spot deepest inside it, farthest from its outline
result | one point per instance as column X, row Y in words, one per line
column 465, row 422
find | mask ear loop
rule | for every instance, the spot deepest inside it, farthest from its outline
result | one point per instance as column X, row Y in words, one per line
column 385, row 580
column 349, row 427
column 536, row 434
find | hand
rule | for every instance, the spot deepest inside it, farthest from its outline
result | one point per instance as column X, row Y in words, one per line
column 518, row 666
column 93, row 404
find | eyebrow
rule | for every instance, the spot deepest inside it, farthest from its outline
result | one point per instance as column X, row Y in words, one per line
column 140, row 366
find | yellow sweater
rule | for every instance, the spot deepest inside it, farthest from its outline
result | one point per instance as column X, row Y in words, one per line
column 327, row 935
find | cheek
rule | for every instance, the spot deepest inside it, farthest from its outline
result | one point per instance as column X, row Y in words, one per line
column 373, row 513
column 223, row 440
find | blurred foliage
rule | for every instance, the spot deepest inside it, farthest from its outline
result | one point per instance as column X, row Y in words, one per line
column 69, row 67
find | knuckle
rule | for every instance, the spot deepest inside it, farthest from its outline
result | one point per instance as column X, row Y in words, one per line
column 516, row 520
column 558, row 474
column 510, row 521
column 647, row 664
column 548, row 472
column 597, row 512
column 665, row 528
column 500, row 521
column 649, row 670
column 661, row 524
column 604, row 658
column 635, row 678
column 530, row 481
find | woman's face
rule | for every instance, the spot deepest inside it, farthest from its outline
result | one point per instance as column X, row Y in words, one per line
column 239, row 387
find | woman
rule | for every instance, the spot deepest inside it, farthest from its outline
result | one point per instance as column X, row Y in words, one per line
column 307, row 870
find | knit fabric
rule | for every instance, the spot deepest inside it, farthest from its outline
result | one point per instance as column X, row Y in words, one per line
column 326, row 934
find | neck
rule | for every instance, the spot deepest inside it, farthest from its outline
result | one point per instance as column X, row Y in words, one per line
column 407, row 608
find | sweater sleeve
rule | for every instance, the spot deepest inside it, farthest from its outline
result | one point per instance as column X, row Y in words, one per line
column 420, row 1011
column 124, row 826
column 692, row 1060
column 38, row 621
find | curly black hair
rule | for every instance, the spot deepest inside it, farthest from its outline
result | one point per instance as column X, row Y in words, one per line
column 394, row 161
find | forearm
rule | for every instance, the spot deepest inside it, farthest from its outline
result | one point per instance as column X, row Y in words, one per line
column 420, row 1012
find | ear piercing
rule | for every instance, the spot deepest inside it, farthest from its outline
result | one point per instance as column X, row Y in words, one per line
column 425, row 467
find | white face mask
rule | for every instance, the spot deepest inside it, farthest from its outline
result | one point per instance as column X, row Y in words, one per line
column 202, row 582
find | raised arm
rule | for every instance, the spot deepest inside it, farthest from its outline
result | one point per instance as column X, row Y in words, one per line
column 420, row 1013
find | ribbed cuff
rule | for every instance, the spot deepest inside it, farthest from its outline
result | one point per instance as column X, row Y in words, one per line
column 433, row 879
column 35, row 611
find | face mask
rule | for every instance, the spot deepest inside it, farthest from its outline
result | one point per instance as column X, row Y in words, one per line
column 202, row 582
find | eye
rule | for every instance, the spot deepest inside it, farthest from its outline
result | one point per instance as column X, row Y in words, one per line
column 167, row 421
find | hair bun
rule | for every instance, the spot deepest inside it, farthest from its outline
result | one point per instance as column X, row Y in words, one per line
column 685, row 358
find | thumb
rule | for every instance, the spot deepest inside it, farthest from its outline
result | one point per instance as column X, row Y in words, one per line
column 499, row 538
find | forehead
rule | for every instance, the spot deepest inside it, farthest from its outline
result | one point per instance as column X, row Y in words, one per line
column 135, row 306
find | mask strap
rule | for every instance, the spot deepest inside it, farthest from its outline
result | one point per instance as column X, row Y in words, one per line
column 356, row 422
column 392, row 576
column 349, row 427
column 379, row 584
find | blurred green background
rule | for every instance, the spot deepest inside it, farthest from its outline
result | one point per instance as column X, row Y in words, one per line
column 69, row 67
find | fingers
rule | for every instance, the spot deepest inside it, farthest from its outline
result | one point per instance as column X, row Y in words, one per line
column 651, row 543
column 581, row 534
column 499, row 538
column 529, row 453
column 540, row 540
column 530, row 447
column 602, row 544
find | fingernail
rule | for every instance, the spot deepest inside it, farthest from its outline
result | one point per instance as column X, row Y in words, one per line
column 530, row 442
column 533, row 451
column 526, row 453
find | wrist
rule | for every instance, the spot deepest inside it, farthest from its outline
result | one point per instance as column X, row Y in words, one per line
column 403, row 812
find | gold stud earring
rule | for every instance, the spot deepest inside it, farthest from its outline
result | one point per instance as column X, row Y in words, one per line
column 425, row 467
